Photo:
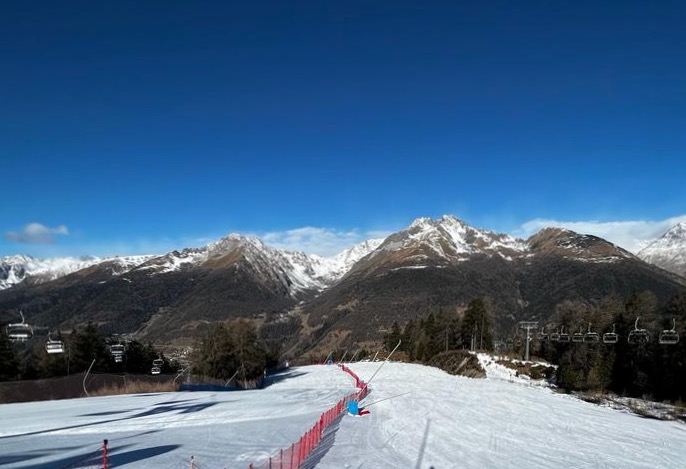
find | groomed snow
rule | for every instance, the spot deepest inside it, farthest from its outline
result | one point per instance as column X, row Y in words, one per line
column 446, row 421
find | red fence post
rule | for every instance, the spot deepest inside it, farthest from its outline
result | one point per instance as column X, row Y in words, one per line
column 104, row 454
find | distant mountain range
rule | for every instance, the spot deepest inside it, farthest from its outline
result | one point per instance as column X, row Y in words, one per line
column 311, row 301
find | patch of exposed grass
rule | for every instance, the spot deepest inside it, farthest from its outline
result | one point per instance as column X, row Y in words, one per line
column 458, row 362
column 135, row 387
column 532, row 370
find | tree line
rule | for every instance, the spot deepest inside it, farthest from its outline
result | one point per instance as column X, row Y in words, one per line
column 645, row 369
column 425, row 338
column 650, row 370
column 228, row 349
column 233, row 350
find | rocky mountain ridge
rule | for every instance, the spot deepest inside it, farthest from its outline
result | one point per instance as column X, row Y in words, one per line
column 432, row 266
column 448, row 237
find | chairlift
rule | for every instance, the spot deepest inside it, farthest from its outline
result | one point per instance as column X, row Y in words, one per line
column 542, row 336
column 157, row 362
column 591, row 337
column 564, row 337
column 578, row 336
column 669, row 336
column 117, row 352
column 555, row 336
column 155, row 370
column 20, row 331
column 54, row 346
column 610, row 337
column 638, row 336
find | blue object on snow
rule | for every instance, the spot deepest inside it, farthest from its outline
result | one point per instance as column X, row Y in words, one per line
column 352, row 408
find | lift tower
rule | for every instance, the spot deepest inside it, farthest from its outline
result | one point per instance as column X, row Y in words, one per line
column 528, row 326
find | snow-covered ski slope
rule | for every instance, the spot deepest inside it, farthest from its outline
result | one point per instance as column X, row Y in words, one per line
column 427, row 415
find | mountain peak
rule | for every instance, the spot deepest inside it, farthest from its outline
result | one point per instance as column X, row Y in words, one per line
column 449, row 239
column 568, row 243
column 678, row 231
column 668, row 251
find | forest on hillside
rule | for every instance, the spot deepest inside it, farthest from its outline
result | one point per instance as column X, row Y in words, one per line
column 647, row 360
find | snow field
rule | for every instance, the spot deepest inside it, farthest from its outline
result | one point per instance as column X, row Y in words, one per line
column 493, row 423
column 445, row 421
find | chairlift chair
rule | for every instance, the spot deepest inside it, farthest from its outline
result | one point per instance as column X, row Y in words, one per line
column 155, row 370
column 591, row 337
column 54, row 346
column 669, row 336
column 157, row 362
column 611, row 337
column 564, row 337
column 578, row 336
column 117, row 352
column 20, row 331
column 542, row 336
column 638, row 336
column 555, row 336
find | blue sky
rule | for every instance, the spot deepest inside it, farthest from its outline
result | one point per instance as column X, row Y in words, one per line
column 140, row 127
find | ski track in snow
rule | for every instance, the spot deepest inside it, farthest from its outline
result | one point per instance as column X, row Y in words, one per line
column 498, row 422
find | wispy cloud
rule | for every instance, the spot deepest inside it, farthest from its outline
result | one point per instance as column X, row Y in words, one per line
column 36, row 233
column 632, row 235
column 321, row 241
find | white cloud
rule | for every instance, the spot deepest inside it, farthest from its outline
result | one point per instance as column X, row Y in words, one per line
column 632, row 235
column 321, row 241
column 36, row 233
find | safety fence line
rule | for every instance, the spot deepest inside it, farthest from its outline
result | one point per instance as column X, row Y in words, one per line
column 293, row 456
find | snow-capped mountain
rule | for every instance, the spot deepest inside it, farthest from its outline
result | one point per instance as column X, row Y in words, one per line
column 29, row 270
column 21, row 268
column 331, row 269
column 668, row 251
column 295, row 271
column 451, row 239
